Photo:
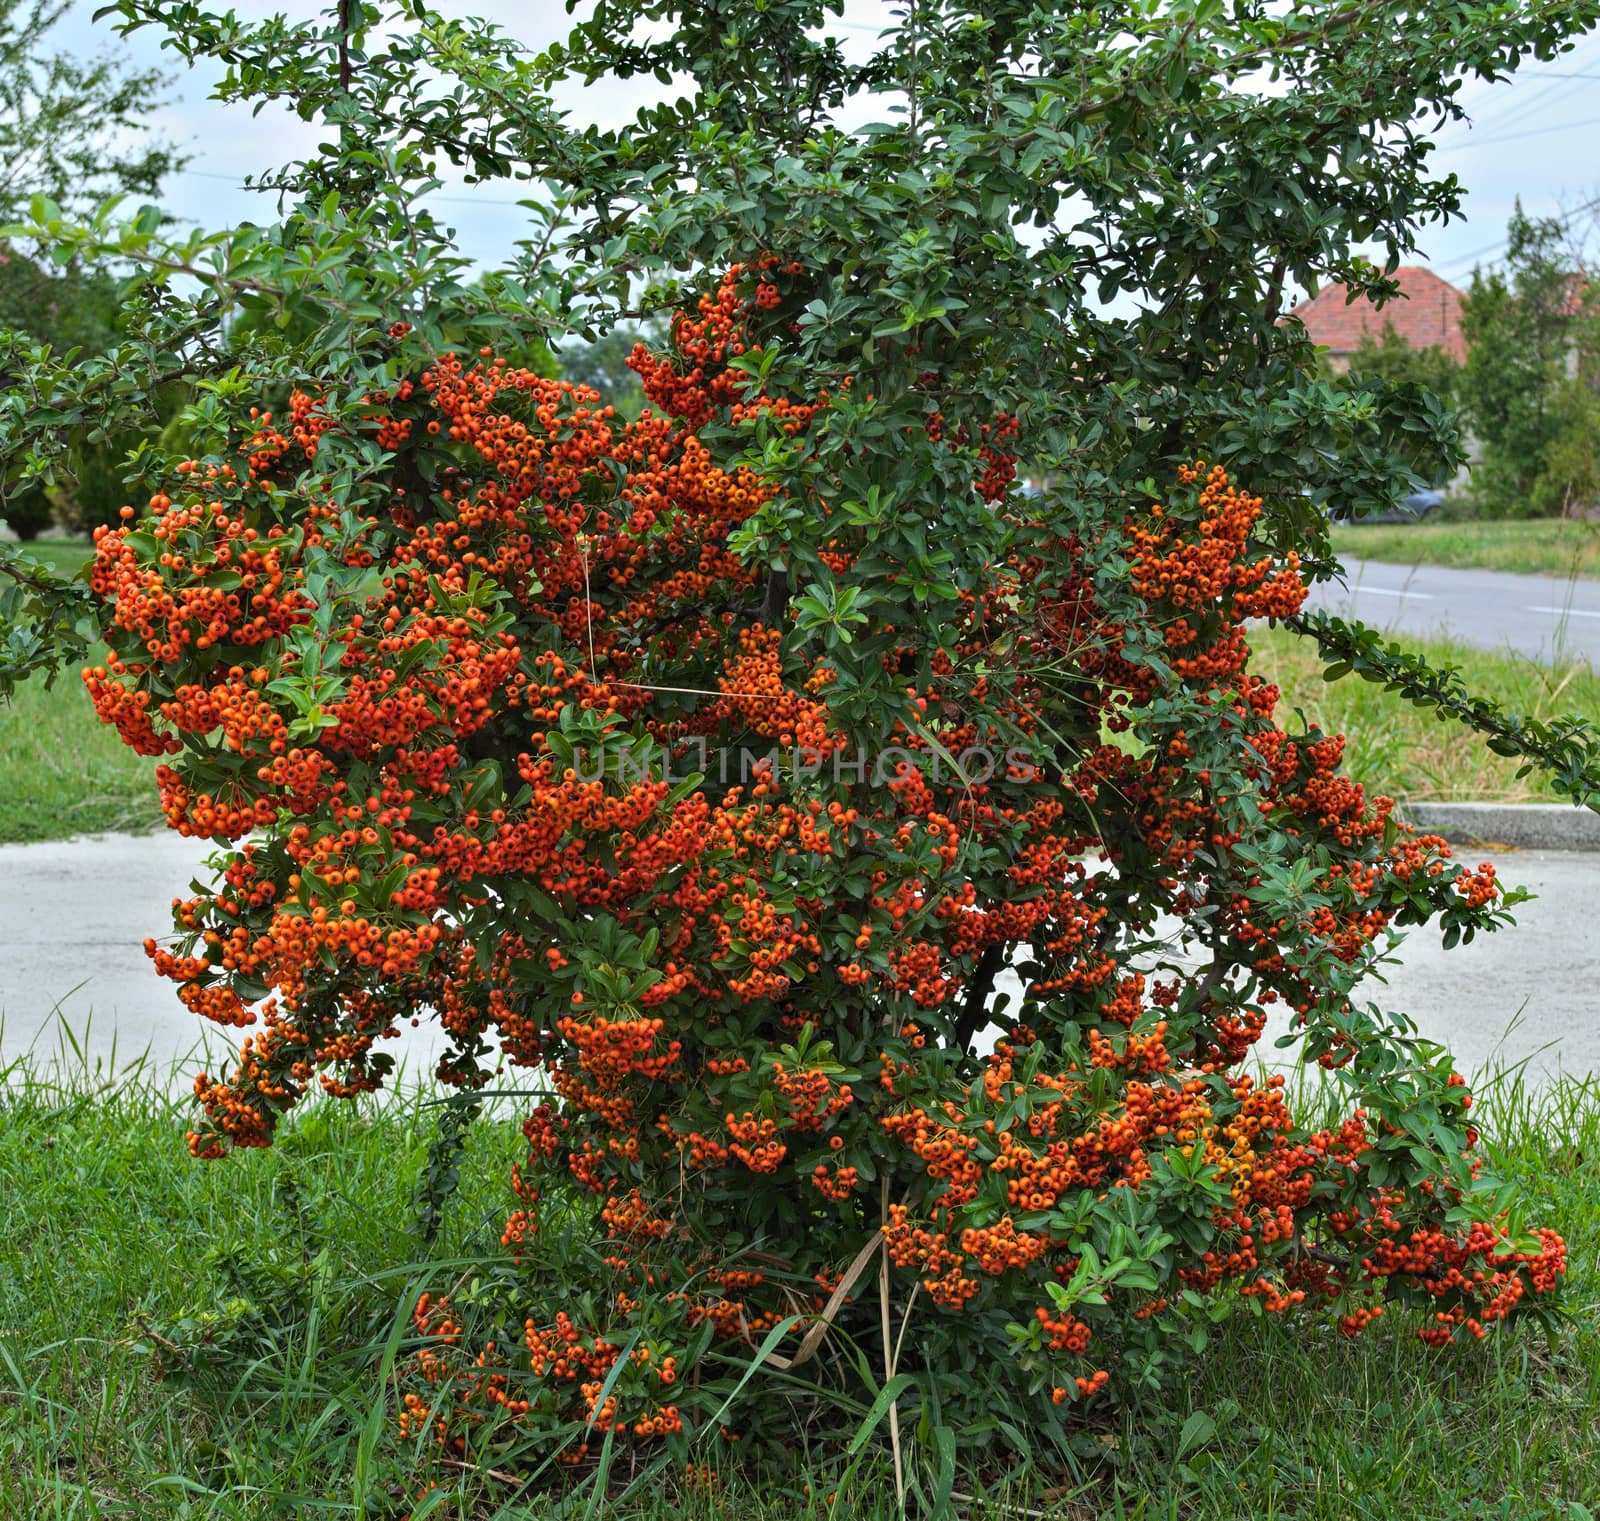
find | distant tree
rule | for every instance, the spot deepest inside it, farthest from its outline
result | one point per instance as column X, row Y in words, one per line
column 27, row 510
column 73, row 131
column 1391, row 359
column 1569, row 482
column 71, row 308
column 1527, row 387
column 603, row 364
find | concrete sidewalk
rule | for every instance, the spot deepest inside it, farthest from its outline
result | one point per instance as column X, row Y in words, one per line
column 73, row 973
column 1523, row 995
column 76, row 913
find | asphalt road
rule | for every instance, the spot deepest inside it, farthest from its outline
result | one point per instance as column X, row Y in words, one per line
column 76, row 913
column 1537, row 616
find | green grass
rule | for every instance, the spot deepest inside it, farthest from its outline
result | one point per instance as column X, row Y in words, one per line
column 1406, row 752
column 1545, row 547
column 63, row 772
column 110, row 1232
column 68, row 556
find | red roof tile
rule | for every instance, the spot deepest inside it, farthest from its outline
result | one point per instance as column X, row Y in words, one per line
column 1426, row 313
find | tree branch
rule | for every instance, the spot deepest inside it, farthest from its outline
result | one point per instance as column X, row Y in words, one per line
column 983, row 976
column 344, row 46
column 775, row 598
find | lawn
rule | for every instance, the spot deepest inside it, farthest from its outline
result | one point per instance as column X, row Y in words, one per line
column 1552, row 548
column 65, row 555
column 302, row 1257
column 62, row 772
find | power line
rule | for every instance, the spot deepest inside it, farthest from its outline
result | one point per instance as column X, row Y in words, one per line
column 1512, row 137
column 1502, row 113
column 1467, row 260
column 1530, row 105
column 1463, row 261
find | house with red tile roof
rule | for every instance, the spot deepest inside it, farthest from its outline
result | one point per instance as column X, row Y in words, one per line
column 1426, row 313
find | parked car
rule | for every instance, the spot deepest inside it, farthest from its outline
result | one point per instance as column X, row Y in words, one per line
column 1409, row 509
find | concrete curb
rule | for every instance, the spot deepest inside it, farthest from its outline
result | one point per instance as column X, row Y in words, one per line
column 1522, row 826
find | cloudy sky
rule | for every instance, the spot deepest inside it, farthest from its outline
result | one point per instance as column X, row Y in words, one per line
column 1537, row 136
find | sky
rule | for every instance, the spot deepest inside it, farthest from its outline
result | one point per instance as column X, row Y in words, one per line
column 1536, row 136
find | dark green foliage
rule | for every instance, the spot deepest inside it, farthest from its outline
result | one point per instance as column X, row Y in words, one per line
column 1288, row 190
column 25, row 509
column 43, row 620
column 74, row 310
column 441, row 1175
column 69, row 309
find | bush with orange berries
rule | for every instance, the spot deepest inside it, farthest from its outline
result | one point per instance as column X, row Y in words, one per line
column 893, row 980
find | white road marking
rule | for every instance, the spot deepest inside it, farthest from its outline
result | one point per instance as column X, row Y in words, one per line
column 1565, row 612
column 1385, row 591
